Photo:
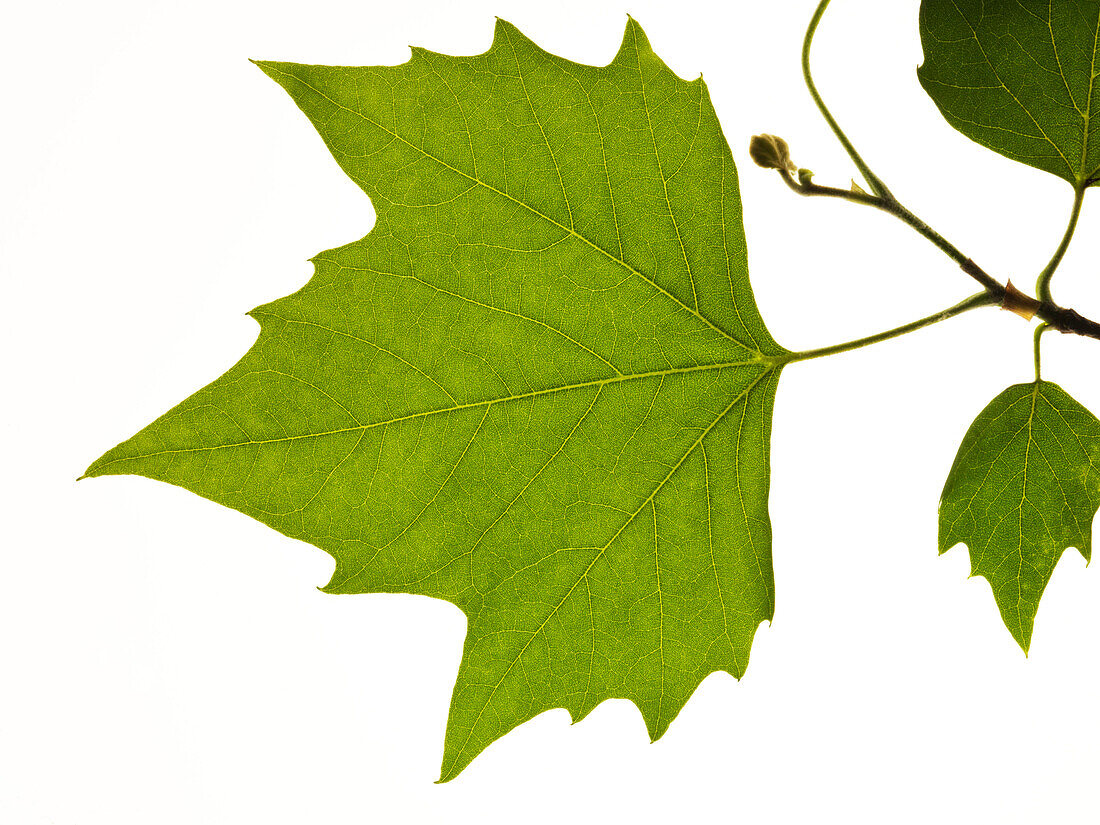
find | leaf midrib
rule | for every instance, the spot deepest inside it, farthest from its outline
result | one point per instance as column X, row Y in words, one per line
column 1084, row 176
column 617, row 379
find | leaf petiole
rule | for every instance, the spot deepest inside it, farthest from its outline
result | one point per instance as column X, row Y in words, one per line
column 1039, row 330
column 876, row 184
column 1042, row 286
column 980, row 299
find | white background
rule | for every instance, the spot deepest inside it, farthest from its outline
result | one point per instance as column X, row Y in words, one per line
column 165, row 660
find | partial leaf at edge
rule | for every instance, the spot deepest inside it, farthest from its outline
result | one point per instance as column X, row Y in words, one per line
column 1024, row 486
column 539, row 388
column 1021, row 78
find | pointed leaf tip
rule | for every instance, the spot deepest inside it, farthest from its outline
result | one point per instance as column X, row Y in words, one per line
column 501, row 29
column 634, row 30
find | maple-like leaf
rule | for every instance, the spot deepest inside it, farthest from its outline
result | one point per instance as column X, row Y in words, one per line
column 1021, row 78
column 1024, row 487
column 539, row 388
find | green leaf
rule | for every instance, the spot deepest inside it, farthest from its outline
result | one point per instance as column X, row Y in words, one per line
column 1020, row 78
column 540, row 388
column 1024, row 487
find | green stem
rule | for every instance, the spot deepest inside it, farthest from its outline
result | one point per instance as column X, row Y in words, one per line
column 1039, row 330
column 877, row 186
column 1042, row 287
column 882, row 199
column 892, row 207
column 981, row 299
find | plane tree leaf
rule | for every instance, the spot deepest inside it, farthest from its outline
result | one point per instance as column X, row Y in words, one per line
column 539, row 388
column 1020, row 78
column 1024, row 486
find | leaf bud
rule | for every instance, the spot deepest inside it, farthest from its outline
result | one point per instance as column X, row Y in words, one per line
column 771, row 152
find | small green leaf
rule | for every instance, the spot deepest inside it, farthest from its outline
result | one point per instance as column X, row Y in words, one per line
column 1024, row 487
column 1020, row 78
column 539, row 388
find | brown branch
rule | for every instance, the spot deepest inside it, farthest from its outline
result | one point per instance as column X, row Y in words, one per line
column 1065, row 319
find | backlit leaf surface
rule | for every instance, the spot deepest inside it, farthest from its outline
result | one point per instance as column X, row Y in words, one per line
column 539, row 388
column 1020, row 77
column 1024, row 487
